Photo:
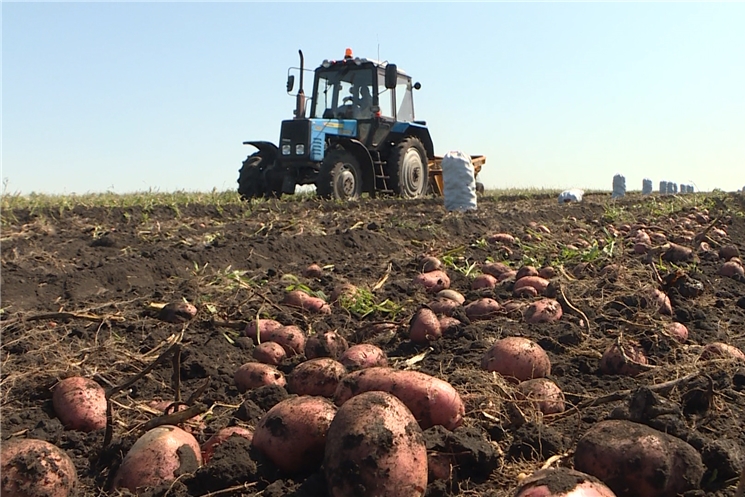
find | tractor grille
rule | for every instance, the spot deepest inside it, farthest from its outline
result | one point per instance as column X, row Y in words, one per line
column 296, row 132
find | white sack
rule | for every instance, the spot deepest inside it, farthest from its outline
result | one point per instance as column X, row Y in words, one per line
column 459, row 182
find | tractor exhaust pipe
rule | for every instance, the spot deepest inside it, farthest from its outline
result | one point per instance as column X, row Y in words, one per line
column 300, row 102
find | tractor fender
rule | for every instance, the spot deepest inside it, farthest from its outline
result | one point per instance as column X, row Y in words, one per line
column 360, row 152
column 417, row 130
column 269, row 149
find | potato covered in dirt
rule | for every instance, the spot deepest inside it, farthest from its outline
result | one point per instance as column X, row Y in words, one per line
column 209, row 447
column 292, row 434
column 291, row 338
column 159, row 456
column 625, row 359
column 319, row 376
column 483, row 309
column 375, row 448
column 80, row 403
column 177, row 312
column 257, row 328
column 363, row 356
column 562, row 482
column 718, row 350
column 270, row 353
column 635, row 460
column 326, row 344
column 543, row 393
column 543, row 311
column 517, row 359
column 433, row 281
column 256, row 374
column 35, row 468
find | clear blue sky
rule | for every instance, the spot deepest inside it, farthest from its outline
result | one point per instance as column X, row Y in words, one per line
column 136, row 96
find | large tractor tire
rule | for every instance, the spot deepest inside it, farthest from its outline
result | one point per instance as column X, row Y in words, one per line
column 255, row 179
column 340, row 176
column 408, row 169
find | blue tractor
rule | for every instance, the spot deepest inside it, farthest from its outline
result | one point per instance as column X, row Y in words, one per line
column 360, row 137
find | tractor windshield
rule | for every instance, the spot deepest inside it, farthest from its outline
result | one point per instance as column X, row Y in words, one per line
column 343, row 91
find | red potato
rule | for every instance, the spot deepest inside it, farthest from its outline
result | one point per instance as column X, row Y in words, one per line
column 536, row 282
column 443, row 306
column 526, row 292
column 732, row 269
column 222, row 436
column 256, row 374
column 316, row 377
column 292, row 434
column 433, row 281
column 658, row 238
column 678, row 331
column 483, row 281
column 629, row 361
column 159, row 456
column 544, row 394
column 326, row 344
column 448, row 324
column 259, row 327
column 35, row 468
column 291, row 338
column 451, row 295
column 727, row 252
column 562, row 482
column 636, row 460
column 80, row 403
column 641, row 248
column 177, row 312
column 431, row 400
column 363, row 356
column 424, row 326
column 643, row 237
column 301, row 300
column 504, row 238
column 507, row 276
column 718, row 350
column 661, row 301
column 495, row 269
column 517, row 359
column 270, row 353
column 429, row 263
column 678, row 253
column 343, row 291
column 313, row 271
column 547, row 272
column 482, row 309
column 375, row 448
column 543, row 311
column 526, row 271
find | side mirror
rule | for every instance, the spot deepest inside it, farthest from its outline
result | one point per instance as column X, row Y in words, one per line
column 290, row 82
column 391, row 76
column 417, row 85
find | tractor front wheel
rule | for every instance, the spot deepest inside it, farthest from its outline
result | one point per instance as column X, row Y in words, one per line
column 340, row 176
column 251, row 183
column 408, row 168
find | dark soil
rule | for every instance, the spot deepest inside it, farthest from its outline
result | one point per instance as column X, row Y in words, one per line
column 82, row 291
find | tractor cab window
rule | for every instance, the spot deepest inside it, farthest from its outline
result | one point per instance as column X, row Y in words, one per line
column 343, row 92
column 404, row 100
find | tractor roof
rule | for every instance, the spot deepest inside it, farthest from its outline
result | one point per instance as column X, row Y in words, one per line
column 358, row 61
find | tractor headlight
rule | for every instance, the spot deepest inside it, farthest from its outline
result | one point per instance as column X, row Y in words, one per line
column 286, row 149
column 299, row 149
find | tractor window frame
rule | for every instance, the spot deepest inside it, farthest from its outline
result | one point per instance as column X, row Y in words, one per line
column 404, row 99
column 338, row 80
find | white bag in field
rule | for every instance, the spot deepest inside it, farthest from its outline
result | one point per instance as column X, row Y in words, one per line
column 569, row 196
column 459, row 182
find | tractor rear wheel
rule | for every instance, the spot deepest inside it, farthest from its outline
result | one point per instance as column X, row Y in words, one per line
column 251, row 183
column 408, row 168
column 340, row 176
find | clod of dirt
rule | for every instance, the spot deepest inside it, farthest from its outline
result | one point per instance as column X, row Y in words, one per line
column 472, row 456
column 260, row 400
column 535, row 441
column 723, row 458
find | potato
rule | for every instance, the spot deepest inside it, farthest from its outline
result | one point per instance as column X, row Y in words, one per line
column 483, row 281
column 504, row 238
column 424, row 326
column 302, row 300
column 35, row 468
column 495, row 269
column 433, row 281
column 177, row 312
column 678, row 253
column 208, row 447
column 562, row 482
column 443, row 306
column 80, row 403
column 259, row 327
column 313, row 271
column 544, row 394
column 630, row 361
column 517, row 359
column 270, row 353
column 732, row 269
column 256, row 374
column 159, row 456
column 678, row 331
column 375, row 448
column 291, row 338
column 292, row 434
column 727, row 252
column 451, row 295
column 535, row 282
column 431, row 400
column 448, row 324
column 543, row 311
column 509, row 275
column 526, row 271
column 362, row 356
column 661, row 301
column 326, row 344
column 636, row 460
column 641, row 248
column 482, row 309
column 429, row 263
column 318, row 377
column 547, row 272
column 343, row 291
column 718, row 350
